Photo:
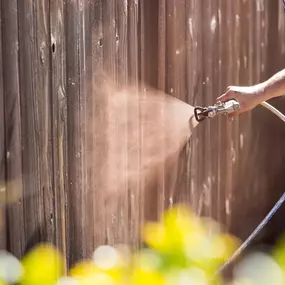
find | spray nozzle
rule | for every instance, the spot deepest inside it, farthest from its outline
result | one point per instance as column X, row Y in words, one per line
column 202, row 113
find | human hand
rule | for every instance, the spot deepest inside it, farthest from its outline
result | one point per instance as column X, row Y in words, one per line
column 248, row 97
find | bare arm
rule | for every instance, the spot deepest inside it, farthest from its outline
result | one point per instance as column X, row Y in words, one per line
column 275, row 85
column 251, row 96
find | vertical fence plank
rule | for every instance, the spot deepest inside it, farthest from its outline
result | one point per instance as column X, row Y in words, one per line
column 209, row 30
column 161, row 44
column 75, row 127
column 109, row 65
column 59, row 122
column 197, row 27
column 243, row 18
column 214, row 138
column 3, row 226
column 87, row 118
column 34, row 45
column 179, row 85
column 220, row 88
column 13, row 140
column 99, row 107
column 161, row 84
column 30, row 124
column 122, row 81
column 42, row 90
column 134, row 113
column 194, row 85
column 152, row 194
column 79, row 112
column 281, row 28
column 175, row 86
column 263, row 122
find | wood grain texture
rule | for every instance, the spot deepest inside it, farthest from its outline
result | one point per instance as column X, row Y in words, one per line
column 34, row 47
column 13, row 139
column 134, row 71
column 3, row 237
column 58, row 123
column 76, row 123
column 55, row 130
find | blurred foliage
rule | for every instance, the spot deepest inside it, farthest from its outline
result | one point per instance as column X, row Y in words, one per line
column 181, row 249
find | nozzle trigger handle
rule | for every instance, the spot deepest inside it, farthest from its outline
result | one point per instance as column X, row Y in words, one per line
column 198, row 112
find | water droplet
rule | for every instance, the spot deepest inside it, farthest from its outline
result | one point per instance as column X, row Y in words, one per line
column 262, row 23
column 190, row 26
column 262, row 67
column 213, row 24
column 245, row 61
column 241, row 140
column 259, row 5
column 227, row 206
column 237, row 20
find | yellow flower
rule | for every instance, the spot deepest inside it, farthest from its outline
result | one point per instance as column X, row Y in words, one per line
column 43, row 265
column 224, row 246
column 178, row 227
column 155, row 235
column 83, row 268
column 147, row 277
column 86, row 272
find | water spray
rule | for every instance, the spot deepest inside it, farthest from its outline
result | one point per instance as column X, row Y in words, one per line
column 202, row 113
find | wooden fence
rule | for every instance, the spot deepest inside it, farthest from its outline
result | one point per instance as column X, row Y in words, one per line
column 51, row 54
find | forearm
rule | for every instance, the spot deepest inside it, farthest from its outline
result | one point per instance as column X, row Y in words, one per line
column 274, row 86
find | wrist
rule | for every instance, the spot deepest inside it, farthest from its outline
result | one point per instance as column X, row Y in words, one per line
column 267, row 91
column 275, row 86
column 262, row 92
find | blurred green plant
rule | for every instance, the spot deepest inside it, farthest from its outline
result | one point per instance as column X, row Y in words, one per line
column 182, row 249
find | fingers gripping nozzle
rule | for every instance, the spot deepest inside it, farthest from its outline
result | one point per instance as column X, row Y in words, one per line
column 202, row 113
